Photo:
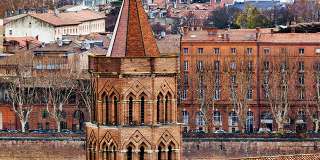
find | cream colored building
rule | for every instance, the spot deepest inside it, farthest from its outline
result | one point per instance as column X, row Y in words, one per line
column 49, row 27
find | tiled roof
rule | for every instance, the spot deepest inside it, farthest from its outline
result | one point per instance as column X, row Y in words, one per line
column 234, row 35
column 69, row 18
column 10, row 19
column 22, row 41
column 170, row 45
column 132, row 36
column 239, row 35
column 290, row 38
column 62, row 19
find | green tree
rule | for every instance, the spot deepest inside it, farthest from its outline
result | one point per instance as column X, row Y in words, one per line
column 251, row 17
column 223, row 18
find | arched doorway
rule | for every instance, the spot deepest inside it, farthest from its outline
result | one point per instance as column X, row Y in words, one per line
column 159, row 157
column 78, row 117
column 170, row 155
column 249, row 123
column 266, row 120
column 129, row 153
column 301, row 122
column 141, row 153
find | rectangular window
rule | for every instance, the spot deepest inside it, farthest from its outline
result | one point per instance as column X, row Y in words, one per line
column 233, row 50
column 184, row 94
column 233, row 79
column 216, row 66
column 185, row 65
column 283, row 66
column 301, row 94
column 200, row 66
column 185, row 77
column 185, row 116
column 216, row 51
column 301, row 66
column 317, row 50
column 317, row 66
column 301, row 79
column 250, row 66
column 266, row 51
column 200, row 50
column 266, row 65
column 233, row 65
column 301, row 51
column 185, row 50
column 217, row 79
column 266, row 79
column 249, row 51
column 217, row 93
column 249, row 93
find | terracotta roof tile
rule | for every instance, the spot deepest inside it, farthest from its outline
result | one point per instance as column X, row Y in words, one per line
column 233, row 35
column 68, row 18
column 290, row 38
column 133, row 36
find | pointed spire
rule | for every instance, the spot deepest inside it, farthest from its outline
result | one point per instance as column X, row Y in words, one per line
column 132, row 35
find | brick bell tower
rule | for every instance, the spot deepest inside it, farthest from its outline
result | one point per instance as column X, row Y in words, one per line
column 134, row 116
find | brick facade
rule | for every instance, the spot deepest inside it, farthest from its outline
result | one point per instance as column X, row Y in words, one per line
column 135, row 110
column 255, row 46
column 40, row 120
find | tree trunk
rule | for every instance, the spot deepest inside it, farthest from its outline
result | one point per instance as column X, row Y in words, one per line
column 316, row 126
column 89, row 115
column 58, row 125
column 280, row 127
column 23, row 126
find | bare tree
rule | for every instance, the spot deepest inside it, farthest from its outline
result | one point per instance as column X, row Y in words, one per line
column 22, row 88
column 314, row 99
column 22, row 93
column 277, row 86
column 205, row 88
column 61, row 82
column 240, row 72
column 85, row 90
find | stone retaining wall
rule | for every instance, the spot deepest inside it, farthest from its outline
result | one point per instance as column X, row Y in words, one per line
column 42, row 150
column 193, row 148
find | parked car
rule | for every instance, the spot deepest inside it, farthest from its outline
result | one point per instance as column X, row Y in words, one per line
column 264, row 130
column 220, row 131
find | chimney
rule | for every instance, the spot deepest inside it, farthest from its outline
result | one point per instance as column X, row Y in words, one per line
column 185, row 29
column 212, row 31
column 227, row 37
column 257, row 32
column 56, row 12
column 27, row 44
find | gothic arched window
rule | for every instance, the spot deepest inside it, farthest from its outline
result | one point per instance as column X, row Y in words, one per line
column 106, row 101
column 141, row 154
column 115, row 101
column 158, row 109
column 129, row 153
column 130, row 110
column 142, row 110
column 166, row 109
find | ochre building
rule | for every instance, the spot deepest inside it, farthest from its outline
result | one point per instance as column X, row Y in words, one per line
column 135, row 111
column 209, row 55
